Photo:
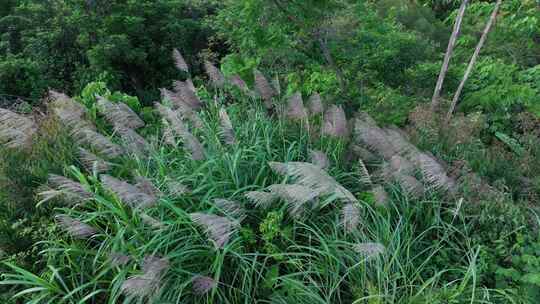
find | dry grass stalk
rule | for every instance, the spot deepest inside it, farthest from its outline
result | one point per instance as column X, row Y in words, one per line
column 119, row 114
column 16, row 131
column 296, row 197
column 127, row 193
column 214, row 74
column 218, row 228
column 350, row 217
column 75, row 228
column 314, row 177
column 295, row 107
column 261, row 199
column 315, row 104
column 264, row 89
column 365, row 177
column 179, row 61
column 227, row 131
column 92, row 162
column 335, row 122
column 319, row 159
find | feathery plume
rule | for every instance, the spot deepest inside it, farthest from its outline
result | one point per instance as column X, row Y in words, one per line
column 128, row 193
column 152, row 222
column 319, row 159
column 190, row 142
column 314, row 177
column 335, row 122
column 16, row 131
column 239, row 83
column 370, row 250
column 315, row 104
column 261, row 199
column 409, row 183
column 179, row 61
column 149, row 282
column 401, row 165
column 365, row 177
column 380, row 196
column 375, row 139
column 74, row 191
column 230, row 208
column 132, row 141
column 400, row 142
column 218, row 228
column 61, row 100
column 186, row 92
column 119, row 114
column 118, row 259
column 146, row 186
column 364, row 154
column 227, row 131
column 434, row 173
column 177, row 189
column 75, row 228
column 168, row 134
column 92, row 162
column 295, row 107
column 99, row 142
column 264, row 89
column 296, row 196
column 203, row 284
column 216, row 77
column 194, row 146
column 276, row 85
column 350, row 217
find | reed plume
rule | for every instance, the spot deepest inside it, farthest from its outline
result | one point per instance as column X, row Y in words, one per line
column 226, row 128
column 350, row 217
column 264, row 89
column 261, row 199
column 119, row 114
column 335, row 122
column 314, row 177
column 127, row 193
column 369, row 249
column 296, row 196
column 75, row 228
column 179, row 61
column 230, row 208
column 319, row 159
column 203, row 284
column 16, row 131
column 295, row 107
column 315, row 104
column 149, row 282
column 92, row 162
column 218, row 228
column 214, row 74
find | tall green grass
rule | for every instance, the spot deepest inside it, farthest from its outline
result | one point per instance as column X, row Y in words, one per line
column 273, row 258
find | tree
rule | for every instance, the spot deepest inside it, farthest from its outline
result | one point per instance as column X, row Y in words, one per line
column 444, row 68
column 474, row 57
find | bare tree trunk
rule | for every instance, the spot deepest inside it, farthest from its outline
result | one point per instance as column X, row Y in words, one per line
column 473, row 60
column 449, row 50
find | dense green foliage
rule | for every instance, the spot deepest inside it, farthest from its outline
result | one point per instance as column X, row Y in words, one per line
column 481, row 245
column 66, row 44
